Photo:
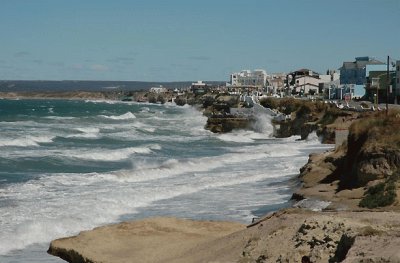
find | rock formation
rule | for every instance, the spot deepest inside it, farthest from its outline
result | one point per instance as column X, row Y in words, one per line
column 284, row 236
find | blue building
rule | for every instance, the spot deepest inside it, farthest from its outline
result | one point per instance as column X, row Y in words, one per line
column 355, row 72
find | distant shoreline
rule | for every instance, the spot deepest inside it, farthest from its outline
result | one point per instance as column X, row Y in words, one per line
column 70, row 95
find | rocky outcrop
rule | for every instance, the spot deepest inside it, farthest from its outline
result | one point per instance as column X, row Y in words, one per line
column 150, row 240
column 284, row 236
column 222, row 124
column 368, row 160
column 370, row 156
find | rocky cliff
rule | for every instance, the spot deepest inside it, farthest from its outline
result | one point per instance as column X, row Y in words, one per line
column 349, row 175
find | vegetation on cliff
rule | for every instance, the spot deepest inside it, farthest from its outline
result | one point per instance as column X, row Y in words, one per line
column 373, row 154
column 382, row 194
column 373, row 151
column 368, row 162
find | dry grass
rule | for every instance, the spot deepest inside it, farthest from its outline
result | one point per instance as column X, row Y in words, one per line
column 379, row 128
column 289, row 105
column 370, row 231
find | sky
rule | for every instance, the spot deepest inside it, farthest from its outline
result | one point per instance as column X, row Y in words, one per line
column 185, row 40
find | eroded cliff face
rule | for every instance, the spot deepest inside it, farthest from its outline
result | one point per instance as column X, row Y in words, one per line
column 223, row 124
column 373, row 149
column 368, row 161
column 347, row 176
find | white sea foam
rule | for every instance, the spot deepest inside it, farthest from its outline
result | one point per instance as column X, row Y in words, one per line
column 263, row 124
column 235, row 137
column 111, row 155
column 222, row 178
column 26, row 141
column 86, row 132
column 59, row 117
column 107, row 199
column 88, row 129
column 104, row 202
column 172, row 167
column 95, row 101
column 126, row 116
column 145, row 109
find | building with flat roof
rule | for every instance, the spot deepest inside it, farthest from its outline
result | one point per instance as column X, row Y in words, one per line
column 159, row 89
column 256, row 78
column 308, row 82
column 355, row 72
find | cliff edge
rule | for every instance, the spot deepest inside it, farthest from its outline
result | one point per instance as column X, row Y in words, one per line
column 285, row 236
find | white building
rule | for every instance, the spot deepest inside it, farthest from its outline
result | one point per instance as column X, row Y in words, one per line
column 308, row 82
column 160, row 89
column 307, row 85
column 276, row 83
column 256, row 78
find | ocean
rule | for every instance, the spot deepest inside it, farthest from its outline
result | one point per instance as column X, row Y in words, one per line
column 68, row 166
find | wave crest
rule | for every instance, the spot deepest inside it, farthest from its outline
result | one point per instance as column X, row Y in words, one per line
column 26, row 141
column 125, row 116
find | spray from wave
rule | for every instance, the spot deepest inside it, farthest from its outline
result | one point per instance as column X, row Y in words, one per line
column 126, row 116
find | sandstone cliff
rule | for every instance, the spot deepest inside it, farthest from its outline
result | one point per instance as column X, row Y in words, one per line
column 370, row 157
column 285, row 236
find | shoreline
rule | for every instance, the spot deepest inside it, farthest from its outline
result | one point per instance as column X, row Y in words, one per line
column 67, row 95
column 257, row 242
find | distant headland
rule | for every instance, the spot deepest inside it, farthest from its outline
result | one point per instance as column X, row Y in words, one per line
column 87, row 85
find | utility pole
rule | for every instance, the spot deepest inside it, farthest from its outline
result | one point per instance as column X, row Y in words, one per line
column 387, row 87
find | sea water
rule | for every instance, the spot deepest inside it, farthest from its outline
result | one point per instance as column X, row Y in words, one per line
column 68, row 166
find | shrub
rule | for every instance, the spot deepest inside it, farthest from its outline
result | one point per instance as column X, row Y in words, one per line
column 161, row 99
column 269, row 103
column 382, row 194
column 383, row 129
column 152, row 99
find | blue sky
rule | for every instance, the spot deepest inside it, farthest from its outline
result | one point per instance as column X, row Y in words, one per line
column 177, row 40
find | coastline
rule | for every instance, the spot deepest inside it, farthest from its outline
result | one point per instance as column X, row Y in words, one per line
column 258, row 242
column 285, row 236
column 340, row 233
column 67, row 95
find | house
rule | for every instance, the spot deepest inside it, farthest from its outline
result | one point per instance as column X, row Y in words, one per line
column 355, row 72
column 307, row 85
column 199, row 87
column 308, row 82
column 159, row 89
column 330, row 85
column 276, row 83
column 377, row 87
column 256, row 78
